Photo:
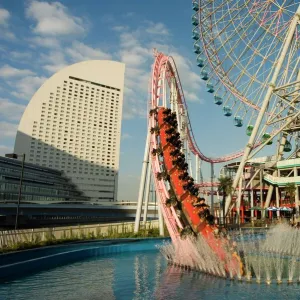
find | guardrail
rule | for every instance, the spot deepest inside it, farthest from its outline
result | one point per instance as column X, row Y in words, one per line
column 232, row 222
column 10, row 238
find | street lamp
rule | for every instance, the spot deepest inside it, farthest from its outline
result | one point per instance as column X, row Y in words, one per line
column 15, row 156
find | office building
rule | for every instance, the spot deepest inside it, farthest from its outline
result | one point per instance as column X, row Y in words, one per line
column 40, row 185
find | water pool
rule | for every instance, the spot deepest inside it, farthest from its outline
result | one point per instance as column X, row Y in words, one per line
column 135, row 275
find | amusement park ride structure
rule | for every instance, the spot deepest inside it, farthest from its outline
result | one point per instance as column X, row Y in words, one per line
column 248, row 54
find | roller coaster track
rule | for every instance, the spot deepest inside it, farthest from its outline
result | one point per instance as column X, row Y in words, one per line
column 175, row 188
column 166, row 65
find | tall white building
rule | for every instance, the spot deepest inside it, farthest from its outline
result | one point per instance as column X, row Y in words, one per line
column 73, row 124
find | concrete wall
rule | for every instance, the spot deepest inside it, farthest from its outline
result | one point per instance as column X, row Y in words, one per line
column 9, row 238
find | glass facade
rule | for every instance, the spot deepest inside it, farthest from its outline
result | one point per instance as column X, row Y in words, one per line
column 40, row 185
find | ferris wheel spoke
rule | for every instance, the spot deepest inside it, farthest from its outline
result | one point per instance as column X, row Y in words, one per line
column 242, row 42
column 253, row 77
column 233, row 49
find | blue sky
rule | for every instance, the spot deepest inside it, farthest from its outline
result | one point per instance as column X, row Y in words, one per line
column 37, row 38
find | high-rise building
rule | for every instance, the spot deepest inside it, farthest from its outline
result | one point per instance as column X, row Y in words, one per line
column 73, row 124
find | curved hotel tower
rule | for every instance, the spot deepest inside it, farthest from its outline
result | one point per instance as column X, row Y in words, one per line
column 73, row 124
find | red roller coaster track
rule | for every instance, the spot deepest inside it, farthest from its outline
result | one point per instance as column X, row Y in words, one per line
column 168, row 63
column 165, row 169
column 171, row 69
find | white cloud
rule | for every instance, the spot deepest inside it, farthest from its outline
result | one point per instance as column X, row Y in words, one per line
column 8, row 129
column 157, row 29
column 191, row 82
column 129, row 15
column 134, row 109
column 5, row 33
column 53, row 18
column 192, row 97
column 4, row 17
column 55, row 61
column 10, row 110
column 107, row 18
column 5, row 149
column 16, row 55
column 54, row 68
column 136, row 56
column 54, row 57
column 45, row 42
column 7, row 72
column 79, row 52
column 120, row 28
column 126, row 136
column 27, row 86
column 129, row 40
column 136, row 52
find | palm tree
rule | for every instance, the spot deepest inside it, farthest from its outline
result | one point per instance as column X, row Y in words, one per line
column 225, row 187
column 290, row 189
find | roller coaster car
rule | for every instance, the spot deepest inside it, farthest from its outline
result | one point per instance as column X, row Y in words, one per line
column 184, row 176
column 172, row 201
column 167, row 111
column 170, row 131
column 163, row 175
column 186, row 232
column 175, row 152
column 169, row 118
column 152, row 112
column 154, row 130
column 156, row 151
column 185, row 192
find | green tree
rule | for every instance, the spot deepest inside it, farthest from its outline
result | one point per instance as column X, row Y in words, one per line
column 290, row 189
column 225, row 187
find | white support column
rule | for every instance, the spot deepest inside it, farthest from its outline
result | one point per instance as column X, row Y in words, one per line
column 116, row 186
column 238, row 206
column 252, row 200
column 296, row 193
column 173, row 100
column 164, row 99
column 197, row 175
column 160, row 221
column 280, row 150
column 261, row 193
column 189, row 160
column 277, row 201
column 275, row 173
column 147, row 192
column 200, row 172
column 265, row 103
column 142, row 184
column 212, row 188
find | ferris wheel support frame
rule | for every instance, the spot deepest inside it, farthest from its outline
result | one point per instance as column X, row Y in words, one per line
column 290, row 118
column 271, row 88
column 275, row 173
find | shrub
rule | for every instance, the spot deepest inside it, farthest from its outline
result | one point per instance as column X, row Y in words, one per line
column 49, row 238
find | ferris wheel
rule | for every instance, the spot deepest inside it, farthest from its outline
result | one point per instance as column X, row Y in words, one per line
column 248, row 53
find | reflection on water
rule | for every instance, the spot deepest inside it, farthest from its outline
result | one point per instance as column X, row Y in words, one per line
column 75, row 281
column 140, row 275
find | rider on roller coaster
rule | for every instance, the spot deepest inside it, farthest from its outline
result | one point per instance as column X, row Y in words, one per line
column 204, row 210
